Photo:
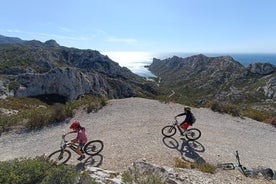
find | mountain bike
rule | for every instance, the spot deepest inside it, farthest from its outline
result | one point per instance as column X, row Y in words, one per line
column 191, row 133
column 62, row 155
column 232, row 166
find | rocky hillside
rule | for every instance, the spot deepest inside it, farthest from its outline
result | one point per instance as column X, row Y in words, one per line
column 201, row 79
column 33, row 68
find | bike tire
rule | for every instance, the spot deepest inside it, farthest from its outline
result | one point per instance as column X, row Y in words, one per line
column 226, row 166
column 193, row 134
column 93, row 147
column 58, row 158
column 168, row 131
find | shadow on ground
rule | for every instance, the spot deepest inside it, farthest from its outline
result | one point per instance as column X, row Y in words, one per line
column 92, row 161
column 188, row 149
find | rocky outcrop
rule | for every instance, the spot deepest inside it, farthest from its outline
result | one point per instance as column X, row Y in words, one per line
column 261, row 68
column 142, row 172
column 270, row 88
column 67, row 82
column 72, row 83
column 202, row 79
column 49, row 69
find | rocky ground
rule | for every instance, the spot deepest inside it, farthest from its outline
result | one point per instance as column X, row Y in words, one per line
column 131, row 131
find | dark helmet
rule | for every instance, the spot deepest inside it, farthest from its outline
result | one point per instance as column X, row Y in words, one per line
column 75, row 124
column 187, row 109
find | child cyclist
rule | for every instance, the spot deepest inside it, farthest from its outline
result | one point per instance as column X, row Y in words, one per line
column 189, row 119
column 81, row 138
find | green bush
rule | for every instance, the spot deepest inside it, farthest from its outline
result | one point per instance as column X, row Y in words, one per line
column 38, row 117
column 224, row 108
column 37, row 170
column 35, row 114
column 13, row 85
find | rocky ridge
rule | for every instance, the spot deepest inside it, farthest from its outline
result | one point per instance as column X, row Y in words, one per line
column 32, row 68
column 222, row 79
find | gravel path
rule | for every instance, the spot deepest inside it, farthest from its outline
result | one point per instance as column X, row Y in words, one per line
column 131, row 131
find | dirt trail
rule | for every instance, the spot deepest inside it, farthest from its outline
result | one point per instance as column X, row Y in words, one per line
column 131, row 131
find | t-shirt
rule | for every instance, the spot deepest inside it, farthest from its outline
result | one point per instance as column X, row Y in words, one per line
column 82, row 138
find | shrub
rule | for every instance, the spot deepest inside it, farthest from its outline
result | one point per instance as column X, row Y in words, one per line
column 203, row 167
column 127, row 177
column 38, row 117
column 256, row 115
column 35, row 114
column 272, row 120
column 13, row 85
column 224, row 108
column 37, row 170
column 206, row 167
column 59, row 113
column 181, row 163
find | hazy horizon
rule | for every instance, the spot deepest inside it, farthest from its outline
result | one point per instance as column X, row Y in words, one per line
column 135, row 61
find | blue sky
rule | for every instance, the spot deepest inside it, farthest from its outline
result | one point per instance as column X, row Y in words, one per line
column 204, row 26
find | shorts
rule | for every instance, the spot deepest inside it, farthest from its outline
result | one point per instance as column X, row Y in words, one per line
column 185, row 125
column 81, row 144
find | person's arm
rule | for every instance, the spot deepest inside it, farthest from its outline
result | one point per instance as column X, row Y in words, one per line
column 181, row 114
column 69, row 133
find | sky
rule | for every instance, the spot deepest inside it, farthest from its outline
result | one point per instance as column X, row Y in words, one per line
column 201, row 26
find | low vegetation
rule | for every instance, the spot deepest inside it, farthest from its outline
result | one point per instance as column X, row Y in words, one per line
column 203, row 167
column 150, row 178
column 40, row 171
column 32, row 113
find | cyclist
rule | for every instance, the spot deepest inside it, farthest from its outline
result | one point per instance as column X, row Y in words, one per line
column 188, row 121
column 81, row 137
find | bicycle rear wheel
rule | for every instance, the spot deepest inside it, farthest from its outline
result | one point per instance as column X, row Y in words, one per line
column 168, row 131
column 193, row 134
column 226, row 166
column 93, row 147
column 60, row 157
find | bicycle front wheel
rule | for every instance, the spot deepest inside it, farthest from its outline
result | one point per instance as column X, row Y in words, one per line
column 193, row 134
column 93, row 147
column 168, row 131
column 60, row 156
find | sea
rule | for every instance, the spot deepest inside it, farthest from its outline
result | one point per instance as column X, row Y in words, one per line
column 136, row 61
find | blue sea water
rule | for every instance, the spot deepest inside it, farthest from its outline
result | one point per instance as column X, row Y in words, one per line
column 136, row 61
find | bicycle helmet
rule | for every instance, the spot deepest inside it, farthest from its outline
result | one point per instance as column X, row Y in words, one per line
column 187, row 108
column 75, row 124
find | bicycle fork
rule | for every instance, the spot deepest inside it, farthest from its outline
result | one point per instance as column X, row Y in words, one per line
column 62, row 148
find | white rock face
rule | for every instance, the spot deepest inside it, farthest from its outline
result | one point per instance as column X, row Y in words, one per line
column 67, row 82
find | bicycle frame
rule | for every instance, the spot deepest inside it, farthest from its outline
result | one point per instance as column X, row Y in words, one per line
column 232, row 166
column 64, row 143
column 176, row 124
column 241, row 167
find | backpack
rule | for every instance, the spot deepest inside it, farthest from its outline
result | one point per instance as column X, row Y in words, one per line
column 193, row 119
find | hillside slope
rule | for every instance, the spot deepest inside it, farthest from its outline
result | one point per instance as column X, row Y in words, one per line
column 131, row 131
column 34, row 68
column 201, row 80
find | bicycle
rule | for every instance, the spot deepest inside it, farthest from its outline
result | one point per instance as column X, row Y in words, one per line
column 232, row 166
column 62, row 155
column 191, row 133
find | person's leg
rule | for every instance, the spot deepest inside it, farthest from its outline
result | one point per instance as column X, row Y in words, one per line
column 80, row 152
column 184, row 127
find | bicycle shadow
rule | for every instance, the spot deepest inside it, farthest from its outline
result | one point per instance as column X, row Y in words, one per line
column 188, row 149
column 91, row 161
